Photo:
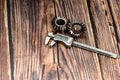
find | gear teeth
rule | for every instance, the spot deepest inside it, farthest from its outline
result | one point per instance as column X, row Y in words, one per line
column 54, row 27
column 60, row 24
column 60, row 28
column 76, row 32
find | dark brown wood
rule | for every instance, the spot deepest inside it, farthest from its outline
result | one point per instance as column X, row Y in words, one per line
column 4, row 43
column 30, row 23
column 24, row 25
column 115, row 9
column 74, row 63
column 106, row 38
column 115, row 13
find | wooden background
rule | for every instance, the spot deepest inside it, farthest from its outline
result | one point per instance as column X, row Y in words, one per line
column 24, row 25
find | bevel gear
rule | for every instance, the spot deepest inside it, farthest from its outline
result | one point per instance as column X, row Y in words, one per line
column 76, row 28
column 60, row 24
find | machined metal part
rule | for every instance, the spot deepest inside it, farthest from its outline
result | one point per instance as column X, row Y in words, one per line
column 60, row 23
column 60, row 38
column 93, row 49
column 76, row 28
column 69, row 41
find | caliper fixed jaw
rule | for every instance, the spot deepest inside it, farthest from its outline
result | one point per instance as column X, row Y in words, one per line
column 48, row 38
column 58, row 38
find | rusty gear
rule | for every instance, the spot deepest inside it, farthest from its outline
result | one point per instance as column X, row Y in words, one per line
column 60, row 24
column 76, row 28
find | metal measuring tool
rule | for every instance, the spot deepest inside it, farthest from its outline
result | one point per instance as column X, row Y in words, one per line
column 69, row 41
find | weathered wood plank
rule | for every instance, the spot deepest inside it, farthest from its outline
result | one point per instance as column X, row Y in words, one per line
column 4, row 43
column 30, row 23
column 105, row 37
column 115, row 12
column 76, row 63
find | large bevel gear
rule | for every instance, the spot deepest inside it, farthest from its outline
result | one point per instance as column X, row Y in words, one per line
column 60, row 24
column 76, row 28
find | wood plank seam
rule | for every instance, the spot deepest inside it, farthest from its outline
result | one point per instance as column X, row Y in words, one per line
column 10, row 41
column 115, row 26
column 94, row 32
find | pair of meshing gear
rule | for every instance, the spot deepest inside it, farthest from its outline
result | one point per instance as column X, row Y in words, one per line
column 75, row 28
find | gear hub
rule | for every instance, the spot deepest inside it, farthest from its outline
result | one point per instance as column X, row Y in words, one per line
column 76, row 28
column 60, row 23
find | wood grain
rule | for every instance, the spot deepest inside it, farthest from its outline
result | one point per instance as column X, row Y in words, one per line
column 24, row 25
column 106, row 38
column 115, row 13
column 76, row 63
column 4, row 43
column 115, row 9
column 30, row 23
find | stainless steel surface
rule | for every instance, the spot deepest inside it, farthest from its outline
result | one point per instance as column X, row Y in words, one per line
column 90, row 48
column 69, row 41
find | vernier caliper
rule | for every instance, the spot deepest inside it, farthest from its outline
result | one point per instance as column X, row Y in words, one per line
column 69, row 41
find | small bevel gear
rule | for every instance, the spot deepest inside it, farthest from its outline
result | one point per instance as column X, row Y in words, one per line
column 60, row 23
column 76, row 28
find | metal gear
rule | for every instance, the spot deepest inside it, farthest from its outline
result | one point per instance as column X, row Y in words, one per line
column 76, row 28
column 60, row 23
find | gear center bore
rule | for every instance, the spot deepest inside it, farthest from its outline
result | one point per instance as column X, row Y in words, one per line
column 60, row 22
column 76, row 28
